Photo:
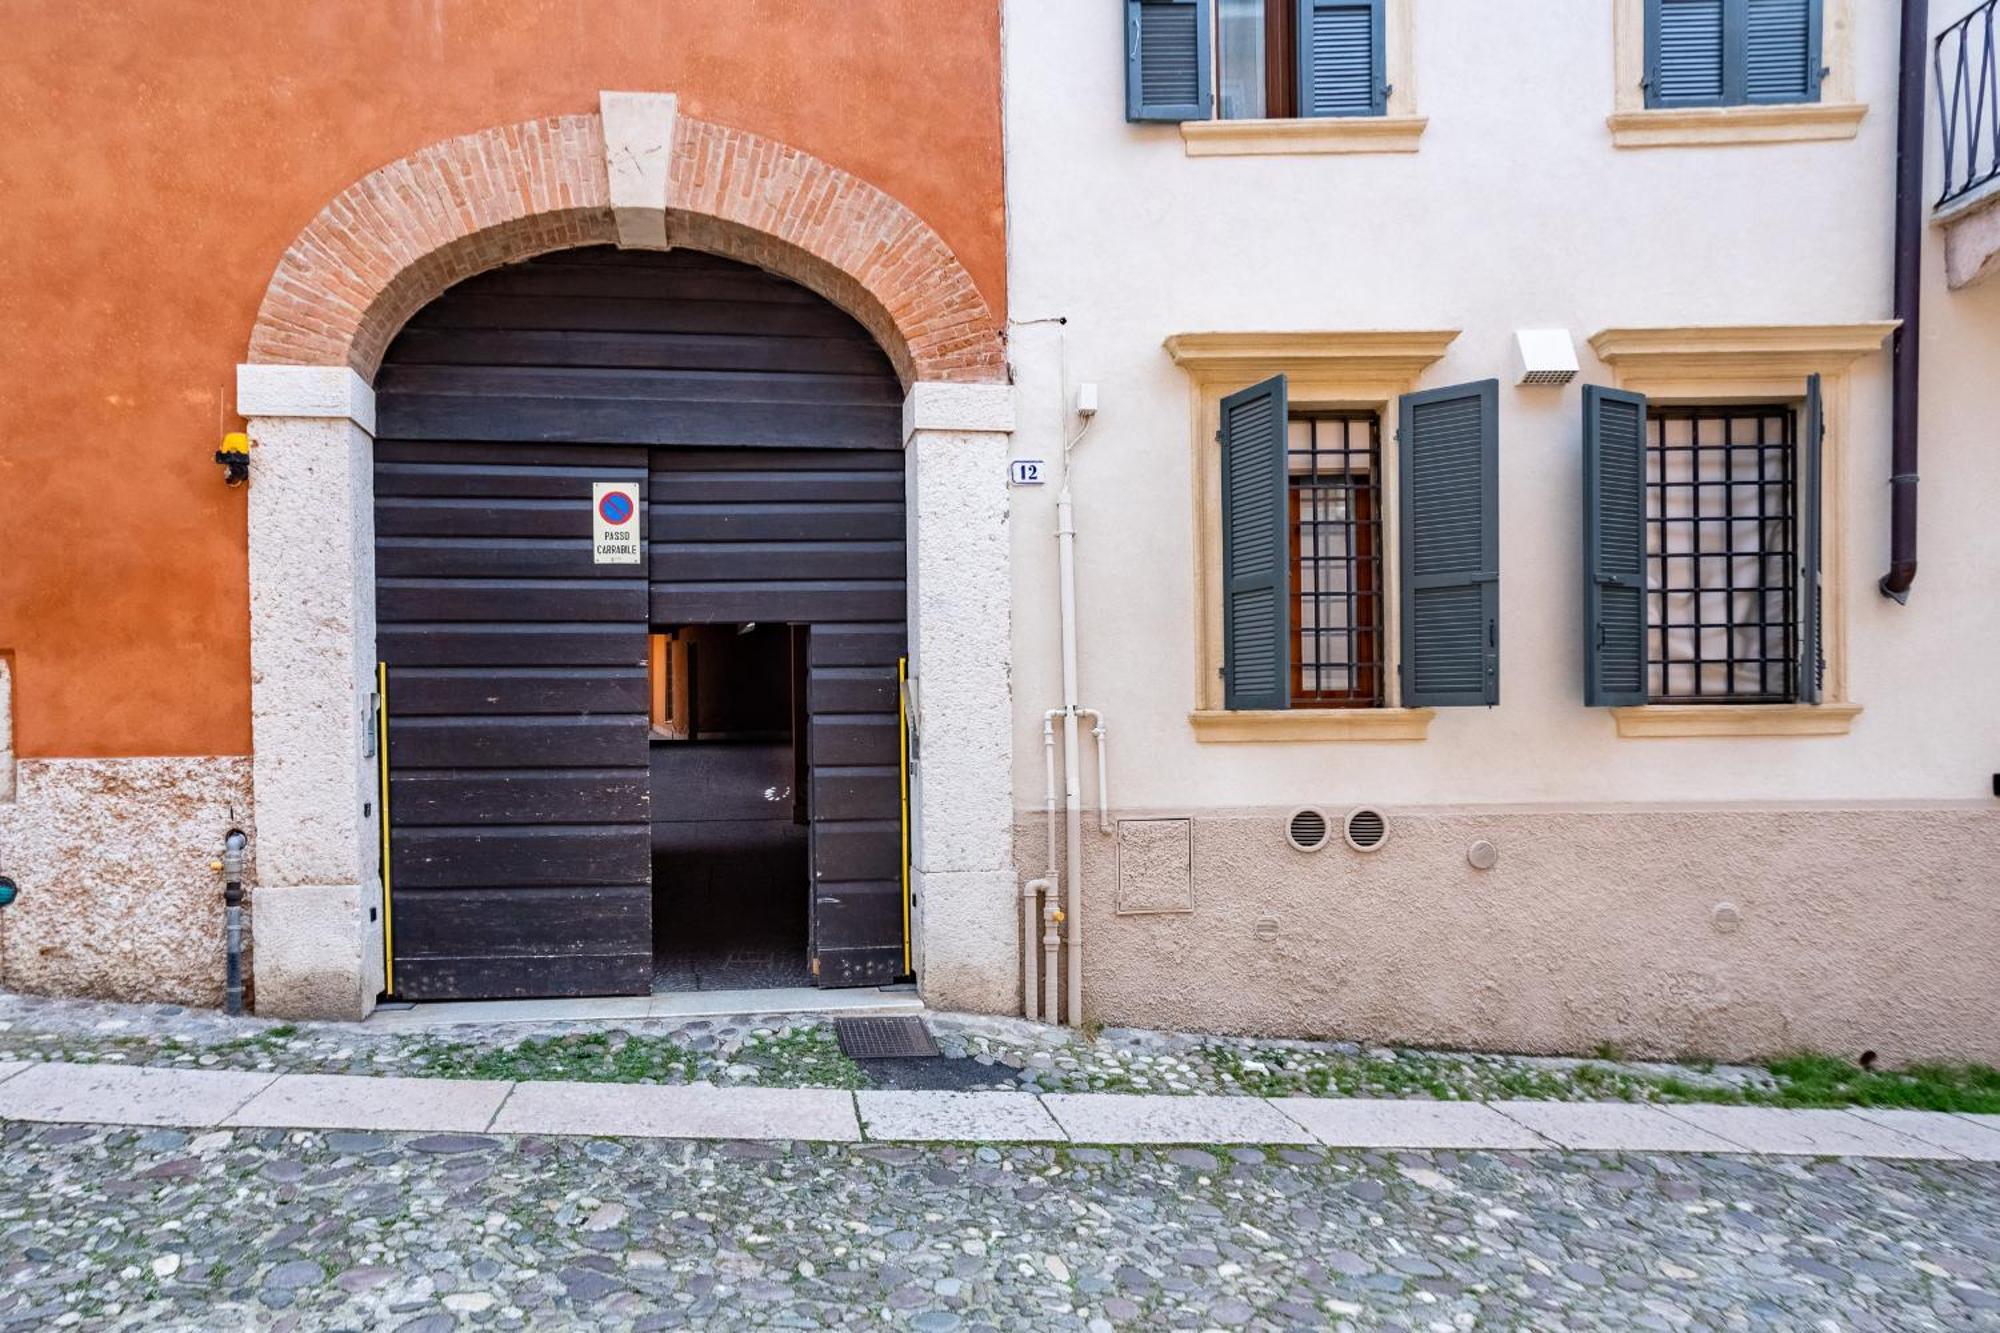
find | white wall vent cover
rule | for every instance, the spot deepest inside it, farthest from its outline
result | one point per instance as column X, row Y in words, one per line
column 1365, row 828
column 1308, row 829
column 1544, row 356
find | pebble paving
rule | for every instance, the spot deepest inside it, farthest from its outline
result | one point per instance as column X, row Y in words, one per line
column 123, row 1228
column 791, row 1051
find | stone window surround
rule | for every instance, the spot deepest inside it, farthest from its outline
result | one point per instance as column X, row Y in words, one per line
column 1633, row 124
column 1757, row 363
column 311, row 529
column 1366, row 369
column 1396, row 131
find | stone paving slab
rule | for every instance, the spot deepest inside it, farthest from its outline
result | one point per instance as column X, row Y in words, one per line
column 1963, row 1135
column 9, row 1068
column 1391, row 1123
column 958, row 1117
column 114, row 1095
column 334, row 1101
column 1805, row 1133
column 695, row 1111
column 1102, row 1117
column 1612, row 1127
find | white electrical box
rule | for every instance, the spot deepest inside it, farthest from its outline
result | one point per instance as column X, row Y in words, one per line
column 1544, row 356
column 1086, row 400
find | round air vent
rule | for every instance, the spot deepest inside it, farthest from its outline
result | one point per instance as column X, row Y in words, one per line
column 1308, row 830
column 1365, row 828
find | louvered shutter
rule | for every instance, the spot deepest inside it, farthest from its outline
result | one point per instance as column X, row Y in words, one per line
column 1167, row 74
column 1450, row 545
column 1811, row 629
column 1684, row 52
column 1614, row 547
column 1256, row 551
column 1341, row 69
column 1781, row 46
column 1727, row 52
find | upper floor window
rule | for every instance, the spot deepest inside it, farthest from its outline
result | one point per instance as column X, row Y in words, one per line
column 1254, row 59
column 1732, row 52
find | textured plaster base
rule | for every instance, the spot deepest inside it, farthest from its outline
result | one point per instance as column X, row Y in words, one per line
column 117, row 900
column 1723, row 932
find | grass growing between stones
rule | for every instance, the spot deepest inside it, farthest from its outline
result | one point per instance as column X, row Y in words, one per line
column 583, row 1057
column 1820, row 1080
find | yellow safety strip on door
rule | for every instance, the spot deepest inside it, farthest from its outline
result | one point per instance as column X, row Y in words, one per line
column 382, row 800
column 903, row 770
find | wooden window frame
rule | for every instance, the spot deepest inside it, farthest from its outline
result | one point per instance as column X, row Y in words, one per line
column 667, row 687
column 1368, row 565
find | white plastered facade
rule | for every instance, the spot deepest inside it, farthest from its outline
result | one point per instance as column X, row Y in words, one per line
column 1522, row 207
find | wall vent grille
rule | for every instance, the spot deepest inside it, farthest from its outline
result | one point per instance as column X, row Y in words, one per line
column 1308, row 829
column 1365, row 828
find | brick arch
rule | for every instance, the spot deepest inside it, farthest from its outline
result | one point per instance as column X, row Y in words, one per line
column 403, row 233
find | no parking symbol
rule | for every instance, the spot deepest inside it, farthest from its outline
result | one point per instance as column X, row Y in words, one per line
column 614, row 516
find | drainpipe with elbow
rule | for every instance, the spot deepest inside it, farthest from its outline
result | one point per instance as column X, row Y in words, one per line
column 1906, row 340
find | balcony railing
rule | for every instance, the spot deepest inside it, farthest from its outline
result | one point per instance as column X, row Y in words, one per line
column 1968, row 93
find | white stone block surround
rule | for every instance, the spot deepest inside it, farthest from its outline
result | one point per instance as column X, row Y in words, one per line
column 957, row 441
column 312, row 661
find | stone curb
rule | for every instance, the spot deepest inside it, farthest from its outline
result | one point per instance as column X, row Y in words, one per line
column 61, row 1092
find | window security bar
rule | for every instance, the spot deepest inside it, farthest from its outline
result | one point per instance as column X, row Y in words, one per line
column 1968, row 94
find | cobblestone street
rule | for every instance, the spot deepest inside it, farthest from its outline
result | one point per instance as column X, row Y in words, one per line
column 112, row 1227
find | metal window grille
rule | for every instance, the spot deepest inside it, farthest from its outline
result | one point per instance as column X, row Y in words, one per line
column 1334, row 464
column 1721, row 554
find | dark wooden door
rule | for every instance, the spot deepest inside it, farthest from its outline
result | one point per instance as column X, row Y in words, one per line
column 767, row 424
column 519, row 799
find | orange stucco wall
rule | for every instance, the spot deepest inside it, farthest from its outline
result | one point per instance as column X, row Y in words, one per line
column 159, row 158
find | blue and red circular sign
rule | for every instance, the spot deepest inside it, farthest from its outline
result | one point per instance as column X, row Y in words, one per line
column 615, row 508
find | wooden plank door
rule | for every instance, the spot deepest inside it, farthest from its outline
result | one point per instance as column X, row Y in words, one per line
column 519, row 799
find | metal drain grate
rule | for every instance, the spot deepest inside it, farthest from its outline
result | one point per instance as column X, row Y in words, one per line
column 884, row 1038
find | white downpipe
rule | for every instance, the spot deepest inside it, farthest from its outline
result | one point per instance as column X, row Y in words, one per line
column 1072, row 783
column 1051, row 968
column 1103, row 774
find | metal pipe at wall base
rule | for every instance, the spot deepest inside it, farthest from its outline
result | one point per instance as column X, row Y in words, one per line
column 1905, row 342
column 231, row 866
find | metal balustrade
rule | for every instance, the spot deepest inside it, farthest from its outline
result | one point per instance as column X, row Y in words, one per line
column 1968, row 93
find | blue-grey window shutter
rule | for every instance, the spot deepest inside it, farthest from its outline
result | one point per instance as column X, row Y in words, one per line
column 1614, row 547
column 1341, row 67
column 1256, row 549
column 1167, row 65
column 1685, row 62
column 1727, row 52
column 1781, row 50
column 1449, row 451
column 1811, row 631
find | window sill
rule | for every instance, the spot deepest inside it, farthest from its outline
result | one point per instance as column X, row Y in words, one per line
column 1318, row 134
column 1221, row 726
column 1737, row 719
column 1691, row 126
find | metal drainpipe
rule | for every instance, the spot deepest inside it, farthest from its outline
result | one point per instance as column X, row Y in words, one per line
column 1904, row 343
column 231, row 866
